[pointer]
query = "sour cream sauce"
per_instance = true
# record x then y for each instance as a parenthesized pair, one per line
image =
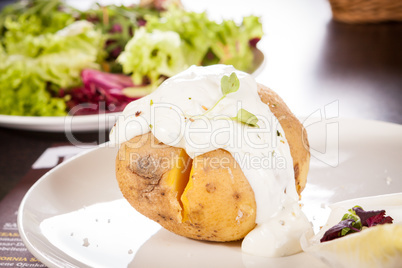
(174, 115)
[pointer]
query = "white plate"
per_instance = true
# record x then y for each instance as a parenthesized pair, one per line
(97, 122)
(75, 215)
(60, 123)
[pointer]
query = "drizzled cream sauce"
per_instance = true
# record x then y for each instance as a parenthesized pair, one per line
(174, 114)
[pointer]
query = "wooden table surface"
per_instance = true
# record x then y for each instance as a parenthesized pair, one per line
(312, 61)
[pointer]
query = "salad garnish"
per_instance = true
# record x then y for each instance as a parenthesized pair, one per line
(354, 221)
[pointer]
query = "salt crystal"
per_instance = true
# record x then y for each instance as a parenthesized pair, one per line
(86, 243)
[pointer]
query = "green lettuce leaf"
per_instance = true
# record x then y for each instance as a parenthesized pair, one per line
(67, 52)
(150, 55)
(206, 41)
(23, 92)
(47, 63)
(231, 45)
(195, 30)
(26, 19)
(177, 39)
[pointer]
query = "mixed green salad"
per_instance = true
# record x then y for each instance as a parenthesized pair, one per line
(54, 57)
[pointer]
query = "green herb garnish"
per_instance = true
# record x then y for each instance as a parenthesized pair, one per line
(243, 116)
(231, 84)
(228, 85)
(353, 216)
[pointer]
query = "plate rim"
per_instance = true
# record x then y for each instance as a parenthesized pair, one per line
(23, 235)
(58, 123)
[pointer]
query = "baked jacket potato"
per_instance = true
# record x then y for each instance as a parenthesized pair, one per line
(196, 198)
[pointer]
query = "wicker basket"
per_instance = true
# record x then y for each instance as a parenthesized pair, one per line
(366, 11)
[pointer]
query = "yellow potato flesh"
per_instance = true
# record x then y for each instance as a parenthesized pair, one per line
(184, 199)
(178, 176)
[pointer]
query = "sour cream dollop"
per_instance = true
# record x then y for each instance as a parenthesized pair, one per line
(174, 113)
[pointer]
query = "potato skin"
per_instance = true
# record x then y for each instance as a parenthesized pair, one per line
(218, 199)
(295, 133)
(219, 203)
(142, 178)
(213, 202)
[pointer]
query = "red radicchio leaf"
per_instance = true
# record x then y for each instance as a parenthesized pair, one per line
(372, 218)
(142, 22)
(336, 230)
(253, 42)
(378, 219)
(116, 28)
(102, 89)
